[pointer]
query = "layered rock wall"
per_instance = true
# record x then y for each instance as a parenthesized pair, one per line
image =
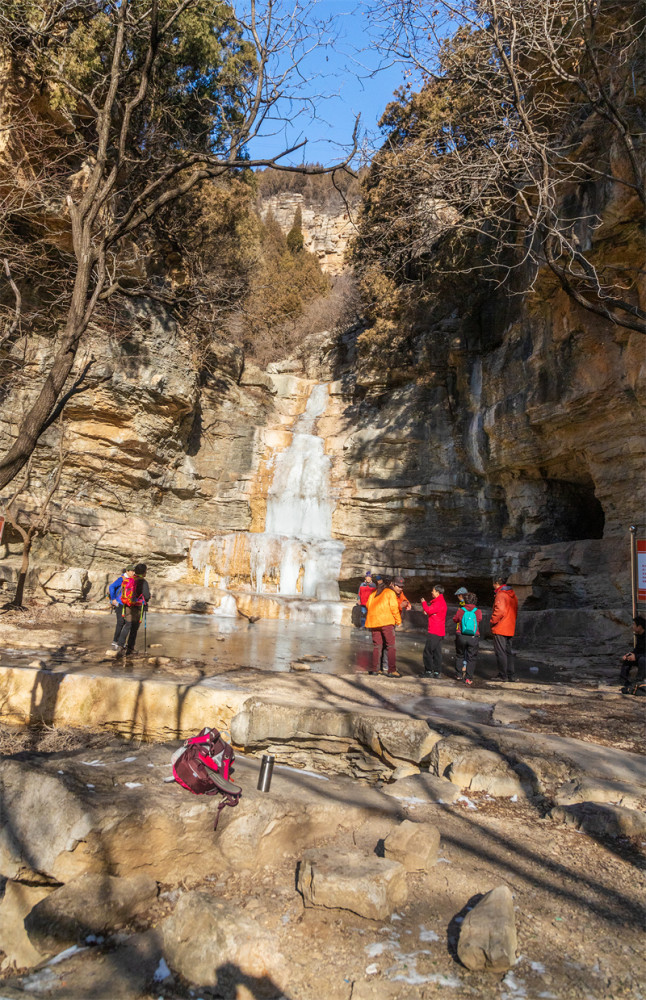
(511, 443)
(327, 230)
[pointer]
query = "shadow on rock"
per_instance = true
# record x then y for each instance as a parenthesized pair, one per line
(453, 930)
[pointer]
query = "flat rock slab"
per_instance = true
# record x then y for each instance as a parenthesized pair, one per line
(365, 884)
(602, 819)
(599, 790)
(505, 714)
(214, 944)
(91, 904)
(488, 933)
(423, 787)
(111, 812)
(414, 845)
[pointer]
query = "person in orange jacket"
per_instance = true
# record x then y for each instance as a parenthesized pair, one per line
(382, 617)
(503, 627)
(397, 586)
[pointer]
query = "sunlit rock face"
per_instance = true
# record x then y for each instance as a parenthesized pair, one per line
(327, 230)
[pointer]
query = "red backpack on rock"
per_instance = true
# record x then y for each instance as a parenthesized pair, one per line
(203, 766)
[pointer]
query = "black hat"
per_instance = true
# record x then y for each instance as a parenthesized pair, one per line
(399, 581)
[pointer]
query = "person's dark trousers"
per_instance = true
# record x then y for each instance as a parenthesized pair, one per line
(459, 666)
(466, 649)
(504, 655)
(433, 654)
(628, 665)
(384, 636)
(129, 629)
(117, 629)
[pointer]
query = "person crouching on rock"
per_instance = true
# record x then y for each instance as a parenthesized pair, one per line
(135, 595)
(636, 658)
(114, 593)
(436, 612)
(467, 639)
(382, 617)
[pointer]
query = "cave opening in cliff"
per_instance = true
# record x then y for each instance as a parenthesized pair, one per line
(558, 510)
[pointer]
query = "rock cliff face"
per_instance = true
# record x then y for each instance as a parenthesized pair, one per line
(522, 451)
(326, 230)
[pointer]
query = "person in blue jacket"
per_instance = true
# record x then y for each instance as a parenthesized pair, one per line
(114, 593)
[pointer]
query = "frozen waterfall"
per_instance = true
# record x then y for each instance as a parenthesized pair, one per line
(295, 556)
(298, 526)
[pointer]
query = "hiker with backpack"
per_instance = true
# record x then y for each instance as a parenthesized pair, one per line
(467, 639)
(382, 618)
(135, 598)
(114, 595)
(461, 594)
(436, 612)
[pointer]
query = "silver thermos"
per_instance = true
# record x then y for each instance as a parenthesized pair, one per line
(266, 771)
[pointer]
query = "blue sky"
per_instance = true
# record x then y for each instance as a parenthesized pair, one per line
(354, 78)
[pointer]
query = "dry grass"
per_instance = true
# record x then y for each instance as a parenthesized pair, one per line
(47, 739)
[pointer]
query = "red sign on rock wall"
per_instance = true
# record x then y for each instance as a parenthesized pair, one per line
(641, 570)
(1, 526)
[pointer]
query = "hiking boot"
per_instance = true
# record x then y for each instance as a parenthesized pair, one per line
(626, 690)
(501, 677)
(436, 673)
(511, 678)
(468, 682)
(393, 673)
(373, 673)
(115, 645)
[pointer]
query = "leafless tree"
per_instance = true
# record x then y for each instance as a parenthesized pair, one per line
(30, 511)
(108, 118)
(523, 148)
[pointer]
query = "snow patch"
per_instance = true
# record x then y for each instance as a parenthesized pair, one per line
(161, 972)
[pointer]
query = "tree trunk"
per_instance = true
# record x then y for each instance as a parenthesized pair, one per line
(35, 422)
(22, 576)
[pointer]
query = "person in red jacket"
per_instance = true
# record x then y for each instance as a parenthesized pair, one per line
(467, 640)
(436, 612)
(503, 627)
(365, 590)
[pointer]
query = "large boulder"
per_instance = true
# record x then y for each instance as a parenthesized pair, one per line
(91, 904)
(213, 944)
(414, 845)
(33, 837)
(17, 901)
(481, 770)
(488, 933)
(365, 884)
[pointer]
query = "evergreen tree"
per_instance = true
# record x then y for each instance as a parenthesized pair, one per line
(295, 238)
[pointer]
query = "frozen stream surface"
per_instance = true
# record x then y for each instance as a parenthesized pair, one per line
(272, 644)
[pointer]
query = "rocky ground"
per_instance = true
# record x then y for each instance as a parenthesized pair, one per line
(115, 884)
